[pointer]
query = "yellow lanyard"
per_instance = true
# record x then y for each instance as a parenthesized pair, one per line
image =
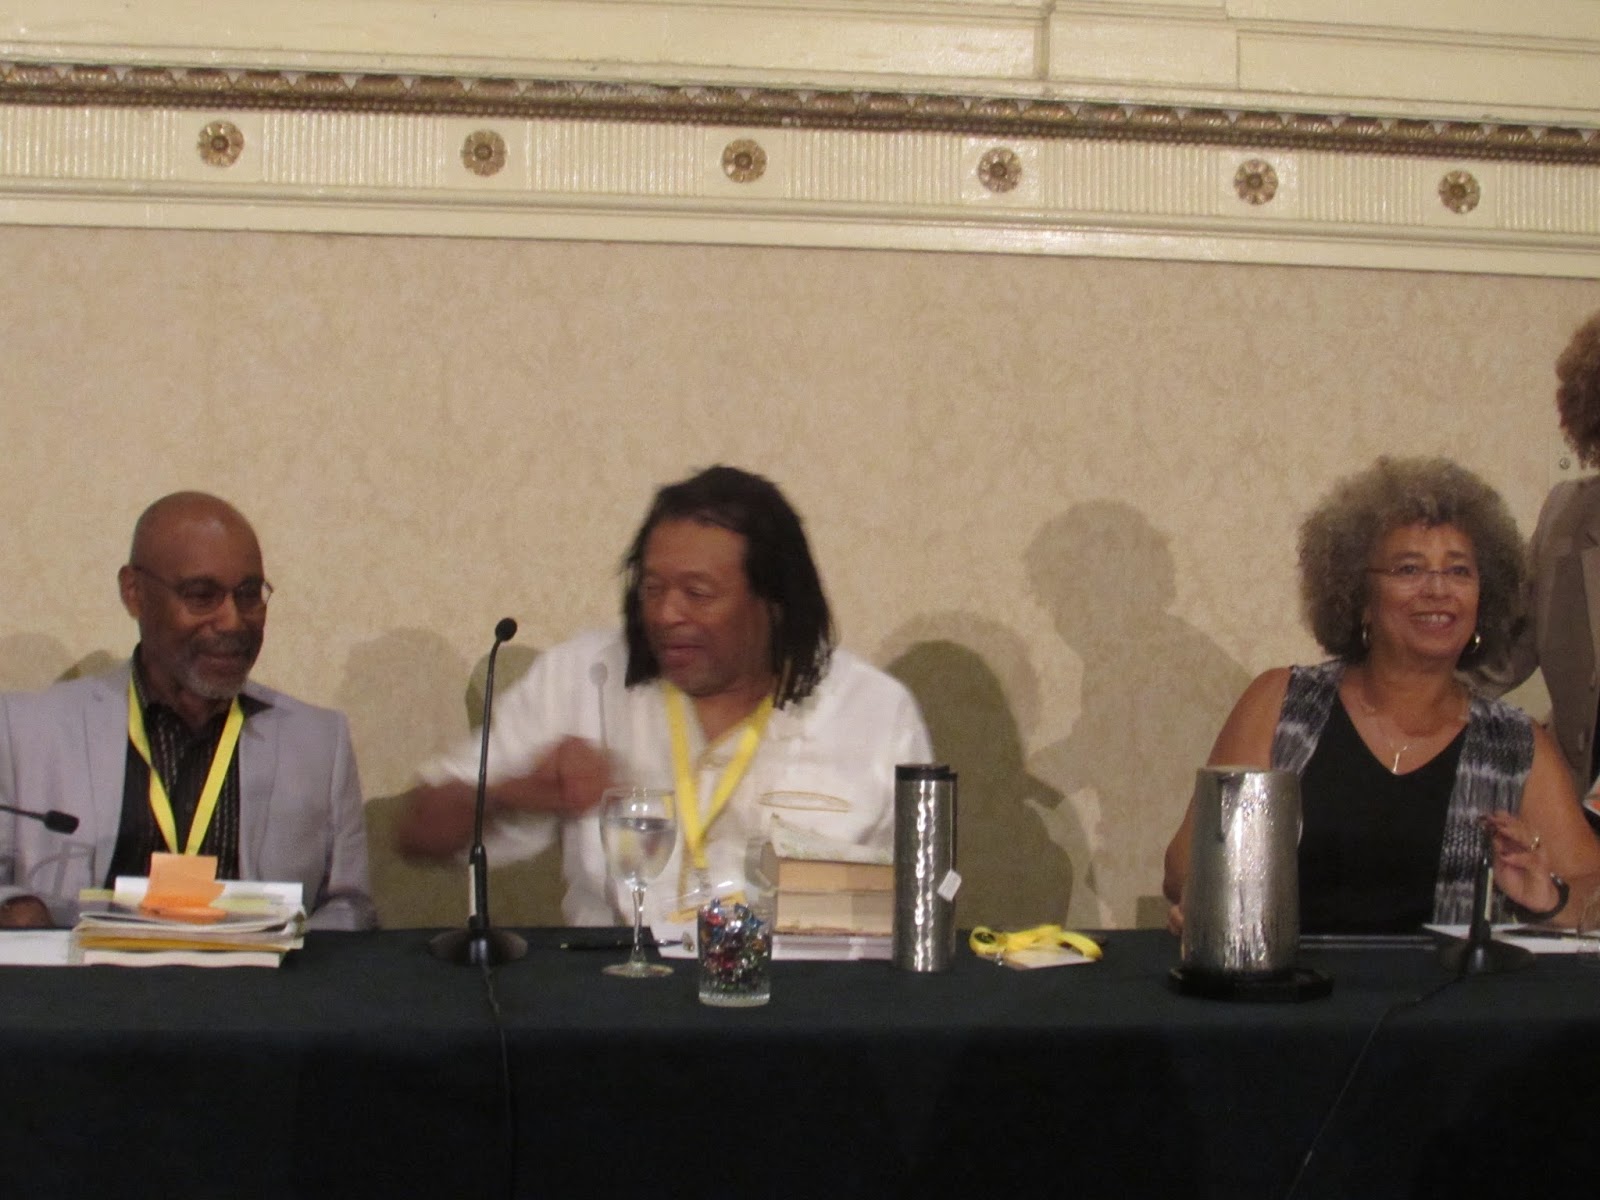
(991, 943)
(688, 791)
(160, 804)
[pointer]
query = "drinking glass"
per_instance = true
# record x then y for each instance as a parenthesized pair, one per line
(638, 827)
(734, 944)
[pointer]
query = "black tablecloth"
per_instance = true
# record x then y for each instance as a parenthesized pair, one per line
(365, 1067)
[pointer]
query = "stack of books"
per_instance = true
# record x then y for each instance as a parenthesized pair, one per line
(257, 925)
(826, 887)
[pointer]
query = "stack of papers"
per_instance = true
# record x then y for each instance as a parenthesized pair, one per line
(249, 925)
(827, 947)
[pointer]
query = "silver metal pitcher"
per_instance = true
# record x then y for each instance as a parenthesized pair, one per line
(1241, 905)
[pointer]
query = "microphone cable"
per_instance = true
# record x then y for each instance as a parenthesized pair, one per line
(1326, 1123)
(508, 1101)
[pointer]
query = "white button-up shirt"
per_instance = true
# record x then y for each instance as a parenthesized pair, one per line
(826, 764)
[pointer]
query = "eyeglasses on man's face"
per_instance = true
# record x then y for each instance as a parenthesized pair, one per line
(204, 596)
(1410, 577)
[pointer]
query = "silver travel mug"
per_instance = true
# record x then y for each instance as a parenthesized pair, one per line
(924, 854)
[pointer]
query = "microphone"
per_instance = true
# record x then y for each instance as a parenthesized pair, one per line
(55, 820)
(598, 674)
(479, 944)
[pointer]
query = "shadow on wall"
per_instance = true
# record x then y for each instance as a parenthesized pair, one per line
(31, 661)
(400, 693)
(972, 679)
(1155, 691)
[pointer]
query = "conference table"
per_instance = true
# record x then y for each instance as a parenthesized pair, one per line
(363, 1066)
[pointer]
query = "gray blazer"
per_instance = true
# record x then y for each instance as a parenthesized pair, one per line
(300, 811)
(1562, 637)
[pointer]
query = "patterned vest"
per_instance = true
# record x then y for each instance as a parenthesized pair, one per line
(1495, 760)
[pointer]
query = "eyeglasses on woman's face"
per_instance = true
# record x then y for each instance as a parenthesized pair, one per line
(1411, 576)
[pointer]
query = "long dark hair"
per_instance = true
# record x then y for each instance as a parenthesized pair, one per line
(777, 565)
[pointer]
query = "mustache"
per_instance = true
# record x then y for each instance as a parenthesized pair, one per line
(242, 642)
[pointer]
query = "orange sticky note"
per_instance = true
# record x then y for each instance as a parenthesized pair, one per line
(182, 887)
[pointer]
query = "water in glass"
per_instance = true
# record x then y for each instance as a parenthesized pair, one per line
(638, 827)
(636, 847)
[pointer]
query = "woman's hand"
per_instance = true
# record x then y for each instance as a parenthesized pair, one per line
(1522, 867)
(1548, 834)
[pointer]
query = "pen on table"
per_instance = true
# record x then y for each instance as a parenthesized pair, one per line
(605, 943)
(1531, 931)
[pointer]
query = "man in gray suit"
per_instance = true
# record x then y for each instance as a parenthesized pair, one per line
(176, 750)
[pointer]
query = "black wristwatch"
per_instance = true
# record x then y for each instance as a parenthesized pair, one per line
(1563, 893)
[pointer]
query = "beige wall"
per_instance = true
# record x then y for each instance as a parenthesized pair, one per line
(1059, 495)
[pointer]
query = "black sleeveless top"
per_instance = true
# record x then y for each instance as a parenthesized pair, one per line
(1370, 840)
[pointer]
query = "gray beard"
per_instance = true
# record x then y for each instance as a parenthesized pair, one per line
(195, 683)
(212, 689)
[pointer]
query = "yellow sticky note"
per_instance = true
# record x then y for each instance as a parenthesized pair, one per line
(182, 887)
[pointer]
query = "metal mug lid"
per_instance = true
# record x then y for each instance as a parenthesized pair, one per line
(922, 771)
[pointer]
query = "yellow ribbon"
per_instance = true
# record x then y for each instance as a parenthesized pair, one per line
(688, 792)
(990, 943)
(160, 803)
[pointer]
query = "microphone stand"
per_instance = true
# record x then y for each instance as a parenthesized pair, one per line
(479, 944)
(1479, 953)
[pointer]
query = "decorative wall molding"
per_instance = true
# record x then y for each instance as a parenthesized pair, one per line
(1016, 126)
(1531, 62)
(545, 99)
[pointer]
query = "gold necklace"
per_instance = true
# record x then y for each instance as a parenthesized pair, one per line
(1394, 767)
(1378, 719)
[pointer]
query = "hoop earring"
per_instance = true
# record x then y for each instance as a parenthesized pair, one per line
(1366, 636)
(1476, 643)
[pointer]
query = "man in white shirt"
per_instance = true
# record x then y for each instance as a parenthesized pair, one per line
(725, 621)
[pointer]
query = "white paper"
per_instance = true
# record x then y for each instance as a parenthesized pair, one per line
(676, 940)
(1035, 957)
(237, 894)
(1555, 941)
(36, 948)
(830, 947)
